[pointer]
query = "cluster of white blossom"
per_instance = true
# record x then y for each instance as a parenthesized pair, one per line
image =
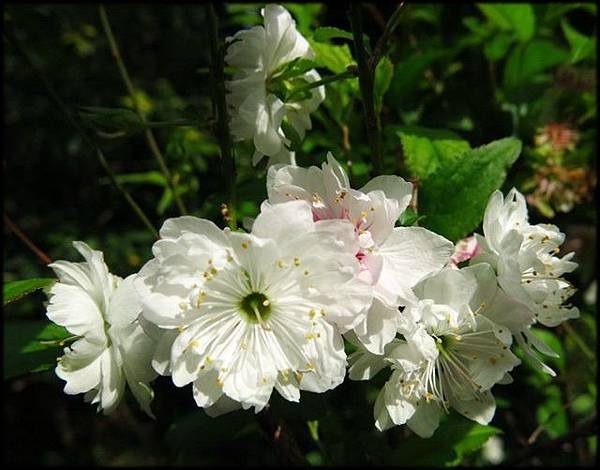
(257, 112)
(239, 314)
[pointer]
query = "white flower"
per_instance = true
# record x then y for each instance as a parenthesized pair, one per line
(527, 268)
(256, 111)
(392, 259)
(451, 356)
(102, 310)
(246, 313)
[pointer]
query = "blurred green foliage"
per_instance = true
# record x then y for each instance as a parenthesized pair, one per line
(457, 77)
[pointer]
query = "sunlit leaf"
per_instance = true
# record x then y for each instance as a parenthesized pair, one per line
(14, 290)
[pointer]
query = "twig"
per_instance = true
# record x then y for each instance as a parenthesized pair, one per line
(365, 80)
(585, 429)
(220, 106)
(11, 37)
(43, 257)
(385, 36)
(376, 15)
(579, 342)
(154, 148)
(278, 433)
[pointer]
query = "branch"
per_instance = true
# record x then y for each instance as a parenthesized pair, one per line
(587, 428)
(43, 257)
(385, 36)
(154, 148)
(11, 38)
(220, 107)
(366, 79)
(279, 434)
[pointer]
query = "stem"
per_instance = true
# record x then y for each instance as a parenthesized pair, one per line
(579, 341)
(43, 257)
(126, 195)
(366, 79)
(285, 444)
(222, 118)
(587, 428)
(324, 81)
(385, 36)
(11, 37)
(151, 141)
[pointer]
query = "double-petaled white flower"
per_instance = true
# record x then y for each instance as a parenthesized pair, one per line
(246, 313)
(527, 267)
(451, 356)
(392, 259)
(256, 111)
(112, 348)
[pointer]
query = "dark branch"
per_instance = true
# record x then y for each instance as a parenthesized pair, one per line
(587, 428)
(277, 431)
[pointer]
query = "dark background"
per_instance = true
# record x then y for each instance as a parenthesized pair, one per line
(56, 191)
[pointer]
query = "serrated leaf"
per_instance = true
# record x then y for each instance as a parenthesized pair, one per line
(425, 150)
(14, 290)
(326, 33)
(453, 199)
(452, 441)
(383, 77)
(334, 58)
(31, 346)
(520, 18)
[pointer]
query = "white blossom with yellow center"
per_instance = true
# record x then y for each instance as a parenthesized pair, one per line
(450, 357)
(246, 313)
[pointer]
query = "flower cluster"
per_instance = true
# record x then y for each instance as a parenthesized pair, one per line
(256, 93)
(240, 314)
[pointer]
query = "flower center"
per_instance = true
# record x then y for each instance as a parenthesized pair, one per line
(255, 307)
(445, 343)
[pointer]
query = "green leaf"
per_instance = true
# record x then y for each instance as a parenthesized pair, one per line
(110, 122)
(334, 58)
(496, 48)
(582, 46)
(425, 150)
(294, 68)
(31, 346)
(526, 61)
(14, 290)
(453, 440)
(291, 134)
(383, 77)
(326, 33)
(518, 18)
(454, 197)
(409, 217)
(148, 177)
